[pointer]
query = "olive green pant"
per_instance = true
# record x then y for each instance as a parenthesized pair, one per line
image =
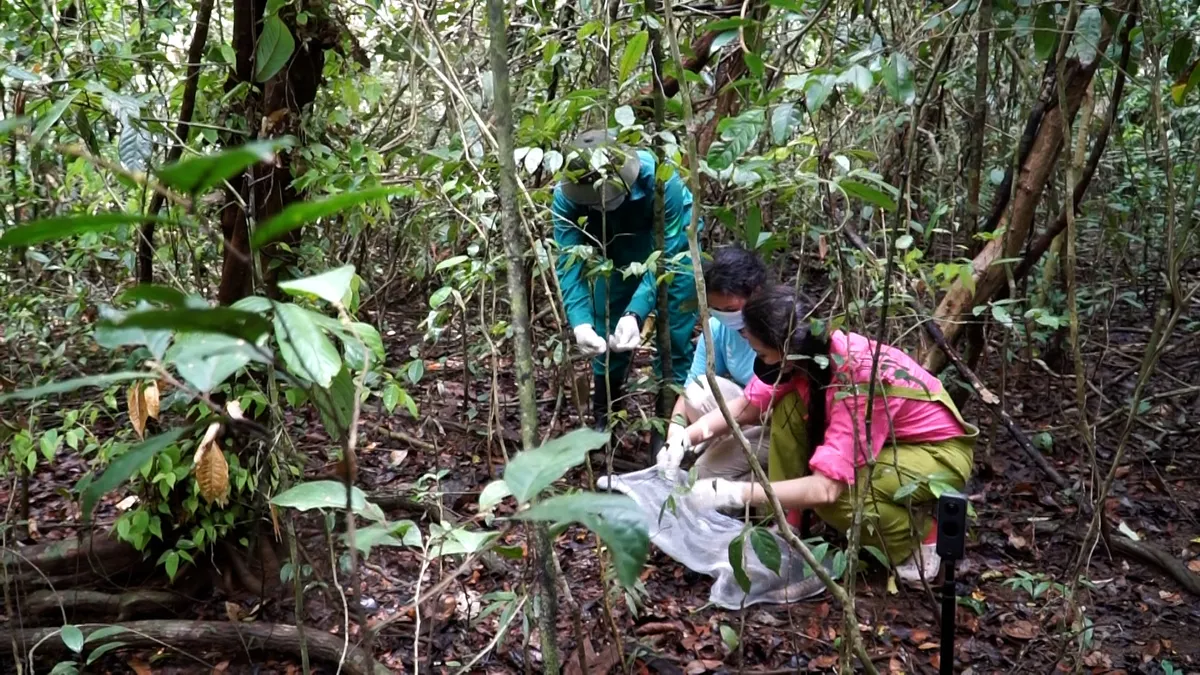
(915, 471)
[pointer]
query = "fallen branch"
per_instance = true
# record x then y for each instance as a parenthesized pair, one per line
(123, 606)
(196, 637)
(406, 438)
(1153, 555)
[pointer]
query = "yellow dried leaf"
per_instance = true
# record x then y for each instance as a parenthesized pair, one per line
(150, 400)
(212, 474)
(137, 410)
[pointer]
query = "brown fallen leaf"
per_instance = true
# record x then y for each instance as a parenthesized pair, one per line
(137, 410)
(1097, 659)
(598, 664)
(1020, 630)
(212, 473)
(658, 628)
(1151, 651)
(895, 667)
(1194, 565)
(926, 646)
(234, 611)
(138, 666)
(701, 666)
(823, 662)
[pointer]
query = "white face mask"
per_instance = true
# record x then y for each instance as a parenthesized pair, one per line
(731, 320)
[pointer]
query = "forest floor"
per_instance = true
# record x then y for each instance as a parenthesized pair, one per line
(1021, 543)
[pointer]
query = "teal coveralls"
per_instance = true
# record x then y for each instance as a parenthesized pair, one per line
(630, 238)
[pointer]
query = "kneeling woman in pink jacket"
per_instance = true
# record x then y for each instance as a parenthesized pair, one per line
(819, 445)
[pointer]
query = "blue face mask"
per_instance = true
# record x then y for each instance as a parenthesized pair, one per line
(731, 320)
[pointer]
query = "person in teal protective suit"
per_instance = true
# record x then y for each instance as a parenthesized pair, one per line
(606, 201)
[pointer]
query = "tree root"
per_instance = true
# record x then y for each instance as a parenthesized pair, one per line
(1150, 554)
(197, 637)
(73, 562)
(124, 606)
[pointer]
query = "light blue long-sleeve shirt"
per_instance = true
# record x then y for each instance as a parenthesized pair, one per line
(733, 357)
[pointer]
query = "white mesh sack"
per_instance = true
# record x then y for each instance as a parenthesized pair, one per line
(700, 540)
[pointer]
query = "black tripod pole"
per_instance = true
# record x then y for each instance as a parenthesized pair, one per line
(951, 546)
(949, 605)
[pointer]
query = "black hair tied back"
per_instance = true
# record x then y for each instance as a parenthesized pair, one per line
(780, 317)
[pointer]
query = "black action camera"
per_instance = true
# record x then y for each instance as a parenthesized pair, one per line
(952, 525)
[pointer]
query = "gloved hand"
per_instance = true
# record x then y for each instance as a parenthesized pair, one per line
(675, 429)
(626, 336)
(589, 342)
(712, 494)
(671, 456)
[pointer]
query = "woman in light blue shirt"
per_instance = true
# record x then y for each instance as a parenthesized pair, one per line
(733, 275)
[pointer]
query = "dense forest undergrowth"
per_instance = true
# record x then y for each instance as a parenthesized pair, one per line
(290, 386)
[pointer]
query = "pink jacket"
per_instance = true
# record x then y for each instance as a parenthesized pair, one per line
(909, 420)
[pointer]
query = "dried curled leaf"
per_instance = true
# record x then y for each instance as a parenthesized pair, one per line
(137, 410)
(143, 404)
(212, 473)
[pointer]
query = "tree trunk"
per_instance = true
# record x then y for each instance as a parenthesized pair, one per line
(514, 246)
(955, 308)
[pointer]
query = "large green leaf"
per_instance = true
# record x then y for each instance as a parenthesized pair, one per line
(60, 227)
(205, 360)
(331, 286)
(402, 533)
(305, 349)
(737, 135)
(222, 320)
(532, 471)
(1181, 55)
(335, 403)
(766, 547)
(617, 519)
(635, 49)
(1086, 41)
(1045, 31)
(357, 336)
(51, 118)
(444, 540)
(328, 494)
(126, 465)
(299, 213)
(275, 47)
(869, 194)
(156, 294)
(72, 637)
(898, 80)
(783, 119)
(197, 174)
(62, 386)
(112, 338)
(737, 561)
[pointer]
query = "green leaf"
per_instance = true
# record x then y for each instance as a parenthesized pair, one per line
(205, 360)
(493, 494)
(906, 490)
(64, 668)
(51, 118)
(63, 386)
(275, 47)
(616, 519)
(126, 465)
(783, 119)
(72, 637)
(632, 56)
(816, 92)
(457, 540)
(133, 144)
(737, 557)
(860, 77)
(1181, 55)
(766, 547)
(897, 79)
(532, 471)
(1045, 32)
(722, 39)
(197, 174)
(171, 563)
(255, 304)
(904, 242)
(868, 194)
(222, 320)
(336, 404)
(328, 494)
(102, 650)
(305, 349)
(878, 555)
(331, 286)
(299, 213)
(730, 637)
(754, 64)
(105, 632)
(154, 293)
(61, 227)
(398, 534)
(1086, 40)
(1180, 91)
(355, 337)
(737, 136)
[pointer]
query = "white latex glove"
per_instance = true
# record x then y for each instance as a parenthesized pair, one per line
(589, 342)
(671, 456)
(710, 494)
(674, 430)
(626, 336)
